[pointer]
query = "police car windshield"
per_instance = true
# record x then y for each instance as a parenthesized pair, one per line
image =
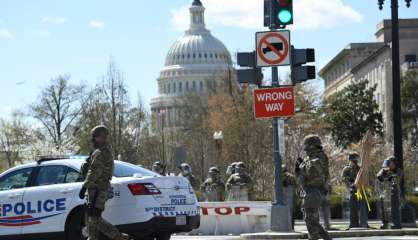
(128, 170)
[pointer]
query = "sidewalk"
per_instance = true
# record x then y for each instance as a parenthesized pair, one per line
(339, 232)
(333, 234)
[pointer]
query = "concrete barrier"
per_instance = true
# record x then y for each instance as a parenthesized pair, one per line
(223, 218)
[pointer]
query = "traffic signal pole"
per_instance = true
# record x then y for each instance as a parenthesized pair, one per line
(396, 88)
(280, 211)
(278, 188)
(406, 215)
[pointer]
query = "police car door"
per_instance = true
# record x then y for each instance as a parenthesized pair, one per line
(12, 216)
(50, 199)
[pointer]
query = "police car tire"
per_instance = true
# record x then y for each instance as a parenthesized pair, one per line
(163, 236)
(74, 226)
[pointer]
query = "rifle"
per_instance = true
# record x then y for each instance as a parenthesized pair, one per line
(382, 208)
(91, 206)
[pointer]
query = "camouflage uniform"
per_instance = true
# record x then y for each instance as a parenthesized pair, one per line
(313, 174)
(213, 187)
(98, 171)
(349, 175)
(240, 185)
(289, 183)
(186, 171)
(325, 210)
(390, 193)
(231, 169)
(159, 168)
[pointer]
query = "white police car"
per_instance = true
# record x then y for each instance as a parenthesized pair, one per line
(40, 200)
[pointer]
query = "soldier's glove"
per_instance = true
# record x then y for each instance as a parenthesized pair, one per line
(297, 165)
(390, 178)
(82, 193)
(286, 183)
(297, 169)
(93, 211)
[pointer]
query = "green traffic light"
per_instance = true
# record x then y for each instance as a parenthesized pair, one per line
(285, 16)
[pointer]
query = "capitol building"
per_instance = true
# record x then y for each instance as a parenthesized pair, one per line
(193, 61)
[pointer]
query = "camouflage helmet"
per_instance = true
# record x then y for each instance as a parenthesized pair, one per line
(214, 170)
(387, 161)
(100, 130)
(231, 168)
(240, 168)
(240, 165)
(186, 166)
(157, 164)
(312, 141)
(284, 168)
(353, 157)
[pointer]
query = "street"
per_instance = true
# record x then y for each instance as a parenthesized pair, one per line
(234, 237)
(209, 120)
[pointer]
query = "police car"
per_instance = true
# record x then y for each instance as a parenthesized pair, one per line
(41, 200)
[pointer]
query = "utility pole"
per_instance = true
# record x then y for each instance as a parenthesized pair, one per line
(273, 49)
(280, 212)
(396, 90)
(396, 94)
(396, 80)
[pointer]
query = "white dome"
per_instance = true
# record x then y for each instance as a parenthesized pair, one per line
(198, 47)
(195, 62)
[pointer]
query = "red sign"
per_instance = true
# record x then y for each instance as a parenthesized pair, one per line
(274, 102)
(225, 210)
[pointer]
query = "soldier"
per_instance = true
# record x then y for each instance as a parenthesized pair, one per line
(186, 171)
(159, 168)
(231, 169)
(214, 187)
(313, 174)
(289, 183)
(98, 171)
(349, 175)
(390, 177)
(325, 209)
(240, 184)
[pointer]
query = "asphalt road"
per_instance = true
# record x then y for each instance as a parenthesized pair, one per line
(237, 238)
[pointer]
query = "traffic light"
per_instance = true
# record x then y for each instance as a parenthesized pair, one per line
(283, 12)
(267, 12)
(300, 57)
(250, 74)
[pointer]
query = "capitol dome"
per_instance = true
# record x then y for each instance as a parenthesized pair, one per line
(193, 60)
(199, 48)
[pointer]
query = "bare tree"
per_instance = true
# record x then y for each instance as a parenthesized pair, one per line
(15, 137)
(108, 103)
(58, 107)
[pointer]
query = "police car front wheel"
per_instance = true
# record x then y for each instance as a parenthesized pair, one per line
(75, 225)
(163, 236)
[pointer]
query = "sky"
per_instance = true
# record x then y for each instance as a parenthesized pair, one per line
(41, 39)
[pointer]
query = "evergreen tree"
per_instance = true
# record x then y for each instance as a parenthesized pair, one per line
(351, 112)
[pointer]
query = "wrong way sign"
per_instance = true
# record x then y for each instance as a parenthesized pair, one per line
(273, 48)
(274, 102)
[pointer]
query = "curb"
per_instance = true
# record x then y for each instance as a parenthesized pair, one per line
(334, 234)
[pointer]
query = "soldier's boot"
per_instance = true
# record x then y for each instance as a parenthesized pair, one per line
(325, 235)
(385, 225)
